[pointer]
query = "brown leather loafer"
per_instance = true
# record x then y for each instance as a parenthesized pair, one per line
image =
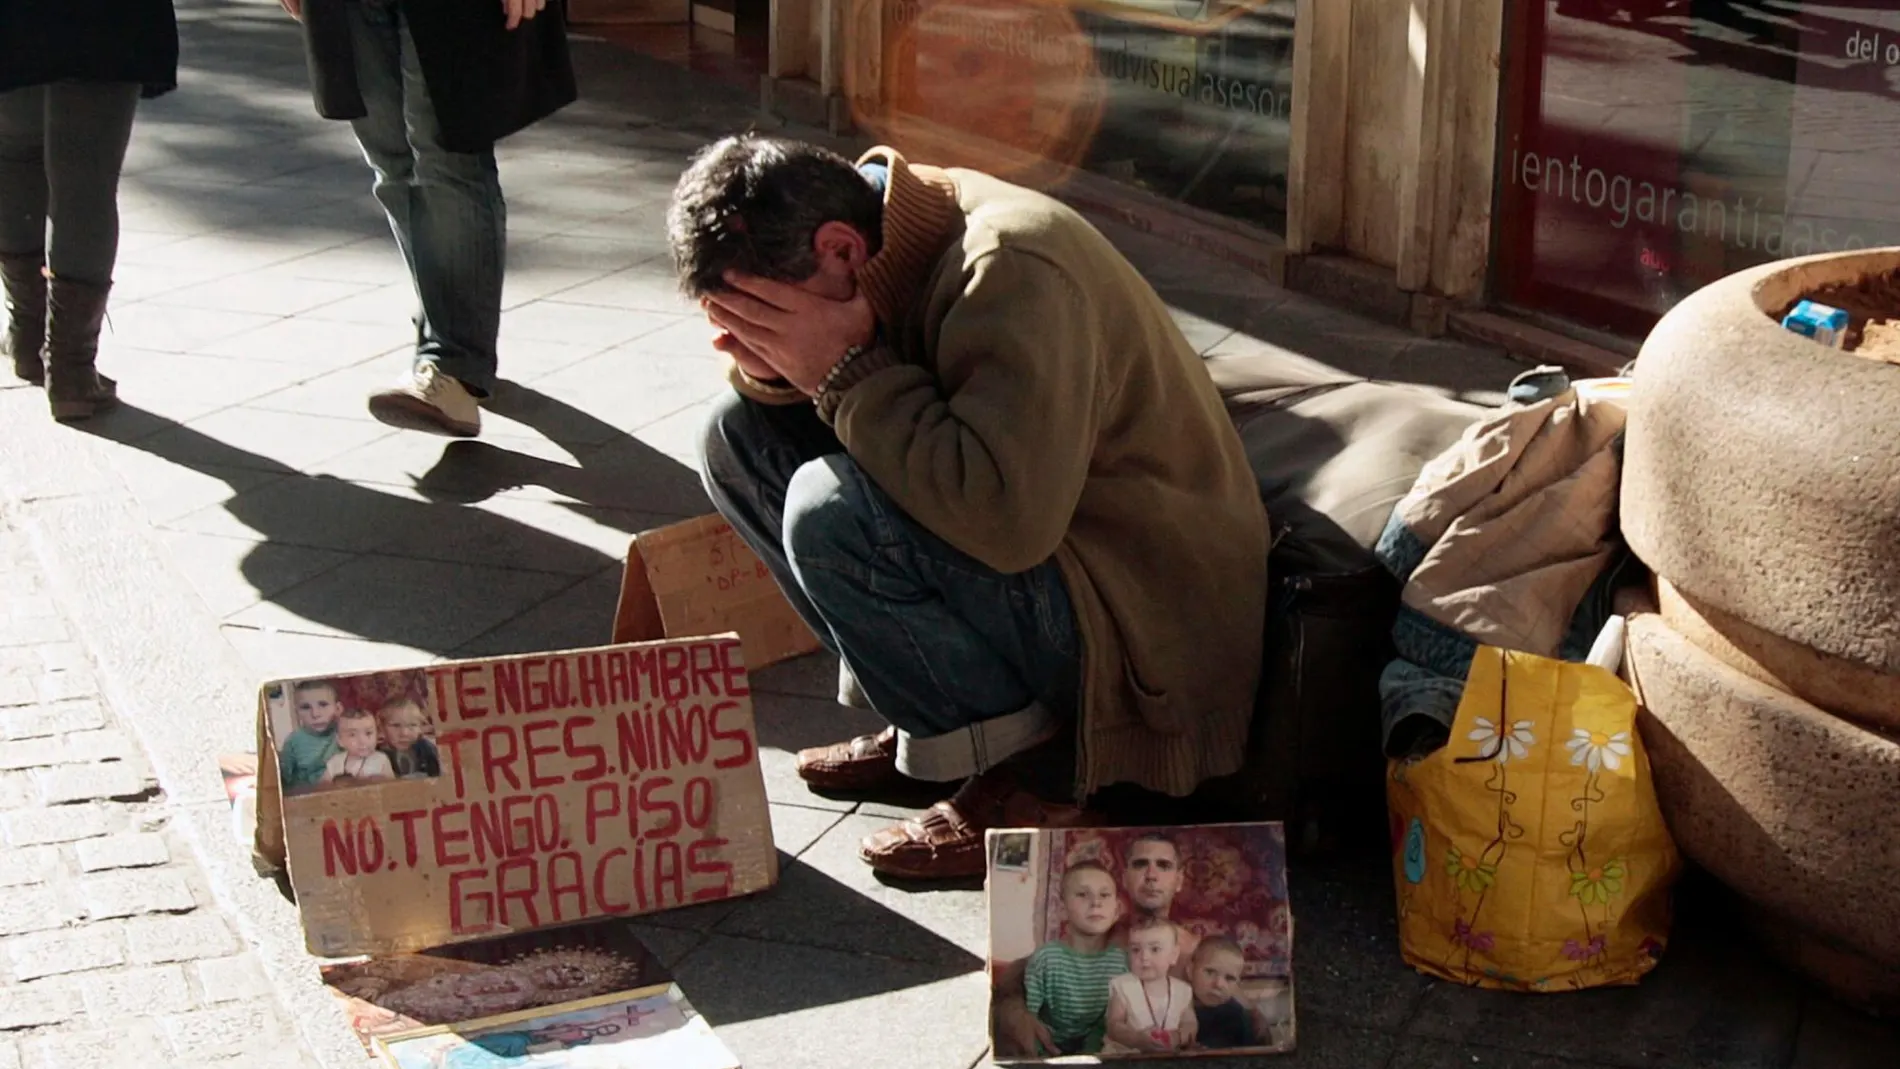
(945, 842)
(866, 763)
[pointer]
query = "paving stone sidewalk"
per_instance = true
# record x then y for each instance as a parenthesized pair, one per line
(113, 949)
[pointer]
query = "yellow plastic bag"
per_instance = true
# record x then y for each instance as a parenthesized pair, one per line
(1530, 853)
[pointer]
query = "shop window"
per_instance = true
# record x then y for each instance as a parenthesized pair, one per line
(1653, 146)
(1189, 100)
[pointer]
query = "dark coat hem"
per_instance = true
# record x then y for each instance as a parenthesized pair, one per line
(486, 82)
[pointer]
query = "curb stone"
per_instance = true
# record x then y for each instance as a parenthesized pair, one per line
(162, 662)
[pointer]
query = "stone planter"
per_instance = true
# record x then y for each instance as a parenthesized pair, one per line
(1762, 485)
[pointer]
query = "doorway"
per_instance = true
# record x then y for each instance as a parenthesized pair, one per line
(728, 40)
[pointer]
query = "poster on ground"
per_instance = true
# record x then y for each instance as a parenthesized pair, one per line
(399, 995)
(655, 1029)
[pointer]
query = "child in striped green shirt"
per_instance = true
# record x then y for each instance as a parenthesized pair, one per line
(1066, 981)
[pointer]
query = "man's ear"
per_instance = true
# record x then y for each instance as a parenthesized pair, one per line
(839, 246)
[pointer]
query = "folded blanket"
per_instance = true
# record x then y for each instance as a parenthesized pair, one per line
(1509, 539)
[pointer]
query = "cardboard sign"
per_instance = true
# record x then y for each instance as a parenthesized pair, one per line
(477, 798)
(700, 578)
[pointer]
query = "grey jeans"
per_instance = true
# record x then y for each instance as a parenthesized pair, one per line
(446, 208)
(971, 665)
(61, 149)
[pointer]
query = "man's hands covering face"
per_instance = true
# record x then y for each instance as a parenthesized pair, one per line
(778, 331)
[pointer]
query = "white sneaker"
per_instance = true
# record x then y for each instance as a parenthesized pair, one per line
(427, 400)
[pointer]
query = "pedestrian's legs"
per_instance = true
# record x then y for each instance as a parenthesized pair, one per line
(381, 132)
(446, 207)
(88, 125)
(23, 171)
(23, 227)
(970, 664)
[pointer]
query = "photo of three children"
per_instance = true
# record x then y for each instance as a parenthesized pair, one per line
(1163, 941)
(351, 731)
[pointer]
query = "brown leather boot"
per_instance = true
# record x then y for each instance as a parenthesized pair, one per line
(945, 842)
(25, 284)
(866, 763)
(74, 312)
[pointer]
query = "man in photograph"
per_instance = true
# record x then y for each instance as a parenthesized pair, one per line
(1151, 877)
(986, 467)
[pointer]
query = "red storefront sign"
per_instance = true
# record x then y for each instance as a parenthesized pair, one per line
(1653, 146)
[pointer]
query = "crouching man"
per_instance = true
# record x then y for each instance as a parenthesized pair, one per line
(989, 471)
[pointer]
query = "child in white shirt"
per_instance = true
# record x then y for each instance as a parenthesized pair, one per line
(358, 759)
(1150, 1010)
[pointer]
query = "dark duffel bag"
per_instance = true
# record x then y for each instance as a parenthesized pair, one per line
(1333, 455)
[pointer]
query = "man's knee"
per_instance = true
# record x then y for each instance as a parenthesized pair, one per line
(828, 517)
(725, 446)
(385, 145)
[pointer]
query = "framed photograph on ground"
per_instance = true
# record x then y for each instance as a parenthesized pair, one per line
(1142, 942)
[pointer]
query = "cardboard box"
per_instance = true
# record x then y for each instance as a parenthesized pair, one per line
(700, 578)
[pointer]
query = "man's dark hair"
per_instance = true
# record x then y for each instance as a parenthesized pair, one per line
(753, 204)
(1156, 837)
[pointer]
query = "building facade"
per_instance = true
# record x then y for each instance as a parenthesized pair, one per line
(1524, 170)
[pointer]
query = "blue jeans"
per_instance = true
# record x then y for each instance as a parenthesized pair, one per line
(445, 207)
(969, 664)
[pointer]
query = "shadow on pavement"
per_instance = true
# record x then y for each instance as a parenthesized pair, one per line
(406, 601)
(621, 473)
(423, 565)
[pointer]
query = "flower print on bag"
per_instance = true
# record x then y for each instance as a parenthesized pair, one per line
(1598, 751)
(1499, 745)
(1597, 886)
(1470, 872)
(1461, 934)
(1576, 951)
